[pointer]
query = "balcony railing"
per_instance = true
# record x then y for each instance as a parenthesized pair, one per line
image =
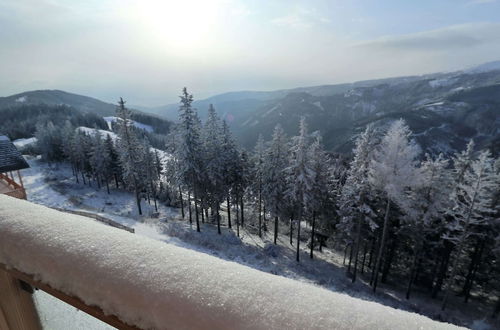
(131, 281)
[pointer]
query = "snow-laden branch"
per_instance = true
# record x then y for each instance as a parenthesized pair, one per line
(152, 284)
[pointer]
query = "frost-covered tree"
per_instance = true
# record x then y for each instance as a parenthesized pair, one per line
(472, 208)
(213, 162)
(321, 188)
(356, 211)
(100, 159)
(189, 151)
(114, 169)
(258, 176)
(274, 175)
(130, 152)
(428, 203)
(300, 177)
(68, 146)
(229, 158)
(393, 171)
(49, 141)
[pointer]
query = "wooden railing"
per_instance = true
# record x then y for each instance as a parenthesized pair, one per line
(17, 191)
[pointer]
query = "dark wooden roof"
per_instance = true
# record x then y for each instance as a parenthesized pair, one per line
(10, 158)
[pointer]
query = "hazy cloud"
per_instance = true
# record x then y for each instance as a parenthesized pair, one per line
(301, 18)
(453, 37)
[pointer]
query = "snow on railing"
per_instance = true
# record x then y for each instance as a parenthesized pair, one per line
(151, 284)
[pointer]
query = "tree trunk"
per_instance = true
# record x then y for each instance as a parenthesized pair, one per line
(445, 260)
(372, 251)
(242, 214)
(460, 244)
(298, 238)
(382, 244)
(390, 258)
(413, 272)
(350, 258)
(472, 274)
(218, 220)
(228, 212)
(312, 234)
(237, 219)
(116, 180)
(260, 213)
(264, 223)
(275, 230)
(98, 181)
(356, 253)
(189, 207)
(496, 311)
(196, 212)
(182, 202)
(83, 178)
(345, 253)
(365, 251)
(107, 186)
(291, 231)
(138, 199)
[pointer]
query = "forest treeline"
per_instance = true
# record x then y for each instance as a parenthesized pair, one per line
(397, 213)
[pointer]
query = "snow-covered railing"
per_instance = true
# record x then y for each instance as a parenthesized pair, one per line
(151, 284)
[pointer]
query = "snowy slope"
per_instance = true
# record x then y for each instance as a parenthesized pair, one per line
(112, 119)
(172, 287)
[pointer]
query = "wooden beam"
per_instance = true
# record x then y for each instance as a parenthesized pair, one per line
(17, 310)
(95, 311)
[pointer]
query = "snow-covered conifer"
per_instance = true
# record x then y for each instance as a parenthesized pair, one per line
(393, 172)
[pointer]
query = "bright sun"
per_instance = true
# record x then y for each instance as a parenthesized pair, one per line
(182, 24)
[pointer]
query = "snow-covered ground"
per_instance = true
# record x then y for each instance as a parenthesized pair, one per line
(21, 143)
(112, 119)
(55, 186)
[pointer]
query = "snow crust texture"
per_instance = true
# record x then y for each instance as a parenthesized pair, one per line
(152, 284)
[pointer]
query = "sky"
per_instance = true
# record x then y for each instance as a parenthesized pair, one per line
(147, 50)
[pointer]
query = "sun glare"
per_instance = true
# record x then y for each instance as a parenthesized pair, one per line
(185, 25)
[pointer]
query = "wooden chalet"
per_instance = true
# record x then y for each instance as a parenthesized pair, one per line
(11, 161)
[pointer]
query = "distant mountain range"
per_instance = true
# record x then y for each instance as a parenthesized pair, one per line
(444, 110)
(57, 97)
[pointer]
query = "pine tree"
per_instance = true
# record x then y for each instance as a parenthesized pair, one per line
(472, 207)
(100, 159)
(189, 151)
(320, 189)
(274, 175)
(229, 158)
(393, 172)
(428, 203)
(258, 176)
(130, 152)
(354, 203)
(214, 163)
(300, 177)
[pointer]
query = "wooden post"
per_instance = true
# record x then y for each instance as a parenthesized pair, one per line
(22, 185)
(17, 310)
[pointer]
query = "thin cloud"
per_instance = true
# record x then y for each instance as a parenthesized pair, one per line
(480, 2)
(452, 37)
(301, 18)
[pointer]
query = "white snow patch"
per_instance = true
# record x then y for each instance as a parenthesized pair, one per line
(443, 82)
(92, 131)
(169, 286)
(21, 143)
(22, 99)
(318, 104)
(271, 110)
(112, 119)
